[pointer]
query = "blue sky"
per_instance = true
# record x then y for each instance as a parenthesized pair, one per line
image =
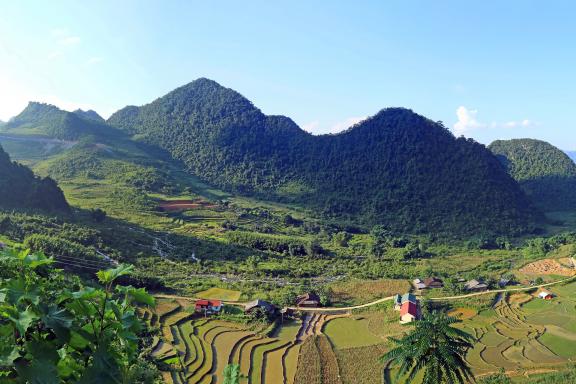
(487, 69)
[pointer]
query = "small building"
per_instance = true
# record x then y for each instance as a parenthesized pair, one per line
(266, 307)
(476, 285)
(309, 300)
(433, 282)
(503, 282)
(409, 312)
(545, 295)
(400, 300)
(419, 284)
(208, 306)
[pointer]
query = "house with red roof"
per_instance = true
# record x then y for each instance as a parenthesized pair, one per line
(409, 312)
(208, 306)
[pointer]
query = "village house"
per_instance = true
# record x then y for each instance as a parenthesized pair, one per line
(545, 295)
(208, 307)
(428, 283)
(269, 309)
(409, 312)
(309, 300)
(475, 285)
(399, 300)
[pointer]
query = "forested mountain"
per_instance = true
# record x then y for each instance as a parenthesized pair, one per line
(20, 188)
(89, 115)
(546, 173)
(48, 120)
(396, 168)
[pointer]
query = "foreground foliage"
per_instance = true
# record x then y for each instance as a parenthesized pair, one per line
(53, 329)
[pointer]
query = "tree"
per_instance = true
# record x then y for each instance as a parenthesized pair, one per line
(98, 215)
(435, 347)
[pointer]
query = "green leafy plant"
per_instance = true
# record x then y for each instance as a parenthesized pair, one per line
(53, 329)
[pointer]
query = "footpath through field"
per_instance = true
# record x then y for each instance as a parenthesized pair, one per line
(389, 298)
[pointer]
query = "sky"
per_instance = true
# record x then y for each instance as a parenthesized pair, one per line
(487, 69)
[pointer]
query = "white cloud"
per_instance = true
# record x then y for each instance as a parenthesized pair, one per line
(468, 122)
(94, 60)
(345, 124)
(311, 127)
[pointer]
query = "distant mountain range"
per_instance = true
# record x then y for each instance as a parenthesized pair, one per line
(546, 173)
(396, 168)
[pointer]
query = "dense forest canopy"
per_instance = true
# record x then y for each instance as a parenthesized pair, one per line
(396, 168)
(20, 188)
(546, 173)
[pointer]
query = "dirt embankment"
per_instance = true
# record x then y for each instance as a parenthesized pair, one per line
(547, 267)
(183, 205)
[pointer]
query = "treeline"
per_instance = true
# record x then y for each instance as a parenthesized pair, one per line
(288, 245)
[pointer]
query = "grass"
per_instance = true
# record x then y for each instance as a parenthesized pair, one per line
(220, 294)
(356, 291)
(559, 345)
(350, 332)
(361, 365)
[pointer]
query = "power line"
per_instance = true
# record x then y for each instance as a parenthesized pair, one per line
(85, 261)
(77, 265)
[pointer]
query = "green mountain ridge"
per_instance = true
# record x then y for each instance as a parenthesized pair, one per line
(49, 121)
(20, 188)
(547, 174)
(396, 168)
(89, 115)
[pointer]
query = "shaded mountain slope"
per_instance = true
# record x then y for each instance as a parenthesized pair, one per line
(546, 173)
(20, 188)
(396, 168)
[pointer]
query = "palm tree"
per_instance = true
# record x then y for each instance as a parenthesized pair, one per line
(435, 347)
(232, 374)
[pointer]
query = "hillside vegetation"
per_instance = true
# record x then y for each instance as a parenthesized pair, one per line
(20, 188)
(50, 121)
(396, 168)
(546, 173)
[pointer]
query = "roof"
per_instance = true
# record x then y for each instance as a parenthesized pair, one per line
(544, 294)
(259, 303)
(408, 297)
(212, 303)
(309, 296)
(430, 280)
(397, 298)
(409, 308)
(474, 284)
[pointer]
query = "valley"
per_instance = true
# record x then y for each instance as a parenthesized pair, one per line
(132, 202)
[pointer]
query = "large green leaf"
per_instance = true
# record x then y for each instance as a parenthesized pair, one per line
(17, 291)
(139, 295)
(110, 275)
(103, 369)
(39, 371)
(57, 319)
(41, 349)
(21, 319)
(34, 260)
(8, 348)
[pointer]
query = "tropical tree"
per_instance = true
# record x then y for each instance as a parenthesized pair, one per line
(433, 347)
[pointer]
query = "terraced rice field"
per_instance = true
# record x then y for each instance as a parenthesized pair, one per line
(196, 349)
(525, 333)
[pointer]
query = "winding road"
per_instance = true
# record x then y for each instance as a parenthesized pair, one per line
(389, 298)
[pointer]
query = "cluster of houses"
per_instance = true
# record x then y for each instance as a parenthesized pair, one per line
(211, 307)
(409, 307)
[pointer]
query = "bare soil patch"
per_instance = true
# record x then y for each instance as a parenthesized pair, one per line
(183, 205)
(547, 267)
